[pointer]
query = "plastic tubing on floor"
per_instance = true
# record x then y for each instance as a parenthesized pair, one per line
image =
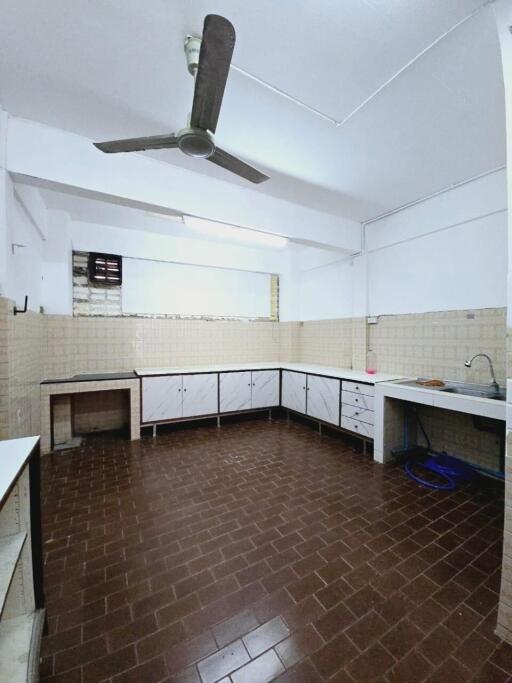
(448, 485)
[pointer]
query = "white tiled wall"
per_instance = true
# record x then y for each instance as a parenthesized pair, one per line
(34, 346)
(437, 344)
(111, 344)
(21, 352)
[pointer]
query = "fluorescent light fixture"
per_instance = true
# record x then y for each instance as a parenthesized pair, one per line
(174, 217)
(234, 233)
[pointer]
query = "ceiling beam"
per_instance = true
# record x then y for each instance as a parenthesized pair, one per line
(54, 155)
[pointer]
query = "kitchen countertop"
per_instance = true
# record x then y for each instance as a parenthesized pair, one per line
(433, 396)
(314, 369)
(14, 455)
(92, 377)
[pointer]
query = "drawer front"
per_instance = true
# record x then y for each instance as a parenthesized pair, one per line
(358, 388)
(357, 426)
(360, 400)
(357, 413)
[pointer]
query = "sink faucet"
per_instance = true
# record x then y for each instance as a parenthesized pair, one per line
(494, 384)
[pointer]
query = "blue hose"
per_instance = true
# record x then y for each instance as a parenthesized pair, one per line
(449, 469)
(448, 485)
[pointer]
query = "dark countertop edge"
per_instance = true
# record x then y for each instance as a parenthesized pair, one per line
(98, 377)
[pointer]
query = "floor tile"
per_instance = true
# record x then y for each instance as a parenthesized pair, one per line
(263, 669)
(236, 555)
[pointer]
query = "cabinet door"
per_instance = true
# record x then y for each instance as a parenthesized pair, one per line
(265, 388)
(161, 398)
(323, 398)
(235, 391)
(293, 391)
(200, 394)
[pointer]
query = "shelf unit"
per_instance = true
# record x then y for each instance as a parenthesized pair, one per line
(22, 615)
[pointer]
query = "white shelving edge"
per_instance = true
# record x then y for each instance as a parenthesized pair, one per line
(20, 638)
(14, 454)
(10, 551)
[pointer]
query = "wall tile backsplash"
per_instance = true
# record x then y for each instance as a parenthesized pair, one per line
(328, 342)
(112, 344)
(21, 358)
(437, 344)
(34, 346)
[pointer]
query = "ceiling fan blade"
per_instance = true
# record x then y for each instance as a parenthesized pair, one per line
(138, 144)
(212, 73)
(231, 163)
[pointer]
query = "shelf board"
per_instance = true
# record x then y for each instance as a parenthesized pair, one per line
(10, 551)
(20, 638)
(14, 455)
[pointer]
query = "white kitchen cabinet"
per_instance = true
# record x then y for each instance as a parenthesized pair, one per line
(323, 398)
(358, 427)
(161, 398)
(293, 391)
(354, 399)
(235, 391)
(265, 388)
(357, 413)
(359, 388)
(200, 394)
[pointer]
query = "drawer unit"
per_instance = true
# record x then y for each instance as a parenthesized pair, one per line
(359, 388)
(357, 413)
(359, 400)
(356, 426)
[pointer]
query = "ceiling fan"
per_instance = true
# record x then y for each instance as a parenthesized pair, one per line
(208, 61)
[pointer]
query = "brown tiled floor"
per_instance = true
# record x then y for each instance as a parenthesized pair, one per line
(262, 552)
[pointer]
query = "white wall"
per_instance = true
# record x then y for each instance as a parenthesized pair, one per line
(316, 285)
(159, 287)
(23, 264)
(446, 253)
(503, 12)
(57, 266)
(66, 236)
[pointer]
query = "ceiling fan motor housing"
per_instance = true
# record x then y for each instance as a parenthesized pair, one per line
(196, 142)
(192, 48)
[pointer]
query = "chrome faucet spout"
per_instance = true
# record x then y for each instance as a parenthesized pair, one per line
(494, 384)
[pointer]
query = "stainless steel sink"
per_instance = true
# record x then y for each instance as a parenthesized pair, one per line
(461, 388)
(472, 391)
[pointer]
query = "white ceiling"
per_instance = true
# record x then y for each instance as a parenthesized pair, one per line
(116, 68)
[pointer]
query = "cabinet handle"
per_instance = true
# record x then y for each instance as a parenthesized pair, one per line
(356, 413)
(303, 388)
(356, 400)
(179, 389)
(249, 384)
(184, 389)
(253, 384)
(356, 426)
